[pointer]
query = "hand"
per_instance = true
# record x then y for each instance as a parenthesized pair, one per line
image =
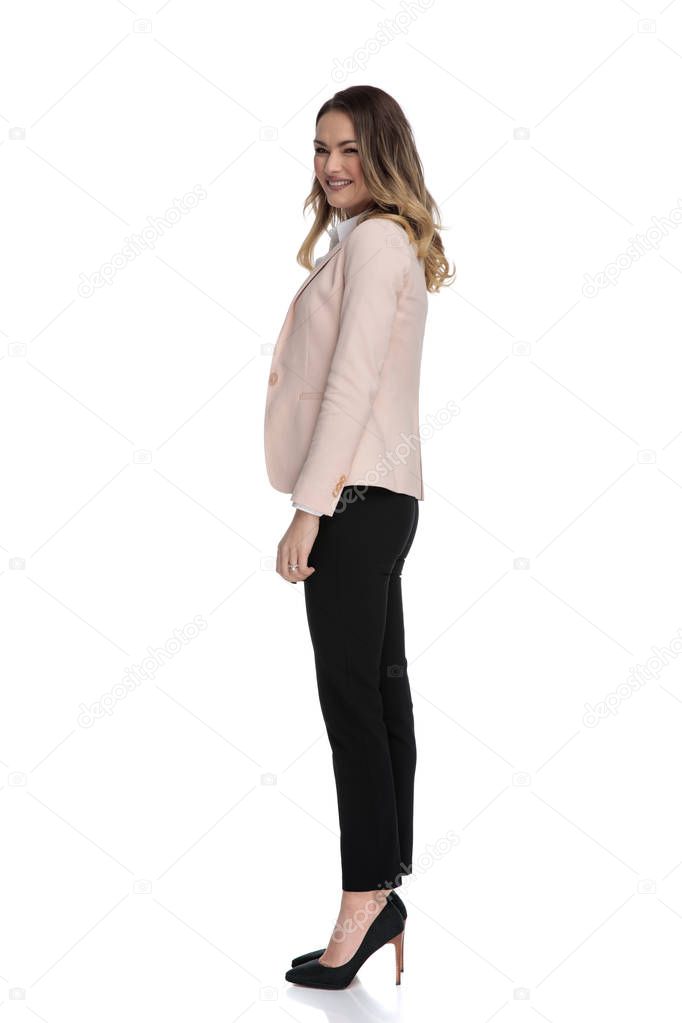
(295, 546)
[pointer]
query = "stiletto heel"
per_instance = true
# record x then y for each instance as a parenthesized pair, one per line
(402, 948)
(398, 942)
(387, 925)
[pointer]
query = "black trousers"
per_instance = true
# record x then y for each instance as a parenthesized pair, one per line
(355, 615)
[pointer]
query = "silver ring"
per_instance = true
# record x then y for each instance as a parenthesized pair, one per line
(292, 568)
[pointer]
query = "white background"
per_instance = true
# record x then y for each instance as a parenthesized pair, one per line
(166, 861)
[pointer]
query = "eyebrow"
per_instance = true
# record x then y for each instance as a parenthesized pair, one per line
(344, 143)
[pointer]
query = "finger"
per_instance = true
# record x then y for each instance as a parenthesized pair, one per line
(299, 557)
(282, 563)
(304, 569)
(289, 558)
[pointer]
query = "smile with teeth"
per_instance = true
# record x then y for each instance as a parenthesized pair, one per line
(341, 183)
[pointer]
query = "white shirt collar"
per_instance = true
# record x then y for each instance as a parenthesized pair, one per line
(343, 228)
(339, 232)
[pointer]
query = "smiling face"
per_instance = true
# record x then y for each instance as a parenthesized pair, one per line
(337, 163)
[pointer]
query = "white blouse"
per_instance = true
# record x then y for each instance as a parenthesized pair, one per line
(336, 235)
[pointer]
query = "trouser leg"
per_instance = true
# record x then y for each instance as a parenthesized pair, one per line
(397, 706)
(347, 605)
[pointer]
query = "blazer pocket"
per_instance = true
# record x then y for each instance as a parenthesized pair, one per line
(311, 394)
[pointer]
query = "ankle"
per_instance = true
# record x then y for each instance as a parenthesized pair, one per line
(372, 892)
(362, 904)
(376, 895)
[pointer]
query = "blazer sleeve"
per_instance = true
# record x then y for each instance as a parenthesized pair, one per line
(376, 263)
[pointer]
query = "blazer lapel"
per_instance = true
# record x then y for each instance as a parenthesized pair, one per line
(316, 269)
(288, 319)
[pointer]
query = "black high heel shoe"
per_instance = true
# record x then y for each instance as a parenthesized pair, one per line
(391, 897)
(388, 925)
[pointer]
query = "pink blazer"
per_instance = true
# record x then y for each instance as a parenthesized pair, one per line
(342, 401)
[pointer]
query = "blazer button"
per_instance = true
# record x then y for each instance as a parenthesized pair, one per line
(273, 378)
(337, 489)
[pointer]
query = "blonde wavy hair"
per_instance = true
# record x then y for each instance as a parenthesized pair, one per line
(394, 177)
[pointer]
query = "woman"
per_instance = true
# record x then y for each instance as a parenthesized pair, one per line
(342, 437)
